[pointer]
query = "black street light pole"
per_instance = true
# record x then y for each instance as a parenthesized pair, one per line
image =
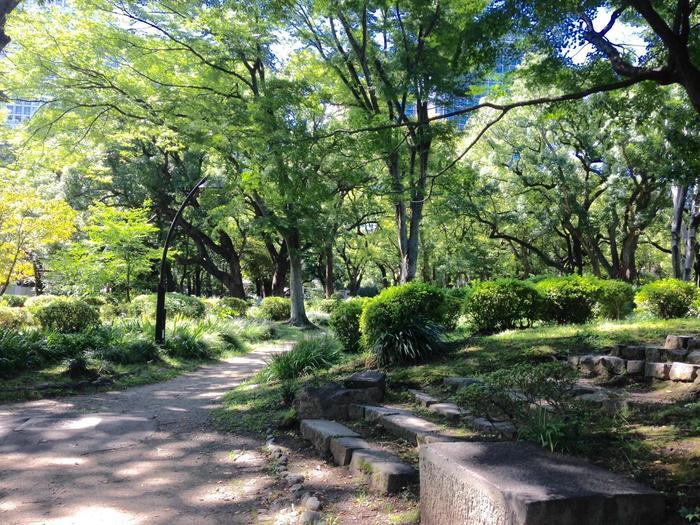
(162, 285)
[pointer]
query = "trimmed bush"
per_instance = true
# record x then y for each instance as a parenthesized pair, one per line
(66, 315)
(34, 303)
(345, 322)
(14, 318)
(404, 323)
(275, 308)
(68, 345)
(454, 303)
(175, 304)
(502, 304)
(569, 299)
(615, 299)
(308, 356)
(367, 291)
(328, 305)
(666, 298)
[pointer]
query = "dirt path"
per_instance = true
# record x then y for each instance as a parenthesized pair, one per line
(144, 455)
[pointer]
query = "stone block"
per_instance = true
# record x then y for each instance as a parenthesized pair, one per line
(423, 398)
(459, 382)
(654, 354)
(693, 357)
(635, 368)
(614, 365)
(683, 372)
(694, 344)
(504, 428)
(677, 341)
(657, 370)
(590, 365)
(636, 353)
(516, 483)
(386, 473)
(573, 360)
(368, 379)
(373, 413)
(342, 449)
(332, 401)
(606, 402)
(447, 410)
(356, 411)
(409, 427)
(676, 354)
(320, 432)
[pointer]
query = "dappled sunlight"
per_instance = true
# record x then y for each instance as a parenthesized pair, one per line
(96, 514)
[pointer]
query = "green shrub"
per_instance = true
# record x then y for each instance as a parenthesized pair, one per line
(367, 291)
(175, 304)
(190, 341)
(231, 340)
(20, 350)
(454, 304)
(133, 352)
(308, 356)
(275, 308)
(615, 299)
(404, 323)
(569, 299)
(502, 304)
(230, 307)
(666, 298)
(94, 300)
(14, 300)
(36, 302)
(14, 318)
(328, 305)
(66, 315)
(254, 330)
(68, 345)
(345, 322)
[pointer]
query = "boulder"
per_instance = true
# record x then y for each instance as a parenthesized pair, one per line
(693, 357)
(447, 410)
(590, 365)
(516, 483)
(694, 344)
(607, 402)
(635, 368)
(320, 432)
(386, 473)
(683, 372)
(677, 341)
(657, 370)
(332, 401)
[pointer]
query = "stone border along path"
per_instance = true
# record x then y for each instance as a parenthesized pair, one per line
(677, 360)
(145, 455)
(504, 483)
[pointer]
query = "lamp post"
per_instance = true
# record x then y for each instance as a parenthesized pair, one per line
(160, 302)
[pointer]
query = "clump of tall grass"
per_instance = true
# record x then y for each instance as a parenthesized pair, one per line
(308, 356)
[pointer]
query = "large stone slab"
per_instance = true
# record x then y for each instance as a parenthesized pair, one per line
(386, 473)
(447, 410)
(635, 367)
(590, 365)
(320, 432)
(459, 382)
(423, 398)
(368, 379)
(614, 365)
(657, 370)
(342, 449)
(332, 401)
(409, 427)
(636, 352)
(515, 483)
(655, 354)
(694, 357)
(676, 354)
(683, 372)
(373, 413)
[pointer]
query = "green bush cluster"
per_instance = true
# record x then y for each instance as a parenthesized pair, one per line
(502, 304)
(175, 304)
(66, 315)
(570, 299)
(405, 323)
(275, 308)
(308, 356)
(345, 322)
(666, 298)
(15, 301)
(229, 307)
(14, 318)
(21, 350)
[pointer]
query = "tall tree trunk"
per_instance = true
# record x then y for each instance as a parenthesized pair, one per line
(678, 195)
(296, 282)
(328, 277)
(691, 235)
(628, 258)
(38, 275)
(280, 258)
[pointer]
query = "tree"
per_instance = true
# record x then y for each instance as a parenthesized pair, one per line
(116, 250)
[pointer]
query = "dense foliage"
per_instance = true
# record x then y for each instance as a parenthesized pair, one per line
(175, 304)
(66, 315)
(275, 308)
(309, 355)
(666, 298)
(345, 322)
(502, 304)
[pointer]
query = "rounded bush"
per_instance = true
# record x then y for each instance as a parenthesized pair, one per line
(175, 304)
(34, 303)
(666, 298)
(454, 302)
(328, 305)
(67, 315)
(615, 299)
(345, 322)
(230, 307)
(14, 318)
(275, 308)
(404, 323)
(69, 345)
(569, 299)
(502, 304)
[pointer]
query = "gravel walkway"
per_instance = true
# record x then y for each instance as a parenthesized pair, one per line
(144, 455)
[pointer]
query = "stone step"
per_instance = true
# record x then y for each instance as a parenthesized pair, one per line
(664, 364)
(459, 382)
(422, 398)
(517, 483)
(321, 431)
(386, 473)
(446, 410)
